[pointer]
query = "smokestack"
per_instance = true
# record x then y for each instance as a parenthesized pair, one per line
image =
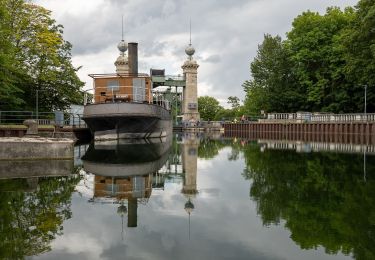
(132, 213)
(133, 57)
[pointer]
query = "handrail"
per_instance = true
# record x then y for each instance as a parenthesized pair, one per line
(321, 117)
(44, 118)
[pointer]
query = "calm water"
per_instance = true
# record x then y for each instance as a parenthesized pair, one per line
(192, 198)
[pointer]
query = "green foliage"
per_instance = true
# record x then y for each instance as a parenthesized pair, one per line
(9, 90)
(322, 197)
(208, 107)
(209, 148)
(31, 217)
(225, 114)
(234, 102)
(315, 47)
(321, 66)
(272, 87)
(34, 56)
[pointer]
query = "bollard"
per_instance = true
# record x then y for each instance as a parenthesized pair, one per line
(32, 127)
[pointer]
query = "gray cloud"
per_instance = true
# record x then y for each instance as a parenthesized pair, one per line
(225, 34)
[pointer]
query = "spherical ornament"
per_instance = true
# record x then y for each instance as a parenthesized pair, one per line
(122, 46)
(190, 50)
(189, 207)
(122, 210)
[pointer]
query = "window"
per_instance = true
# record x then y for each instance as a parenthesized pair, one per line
(113, 85)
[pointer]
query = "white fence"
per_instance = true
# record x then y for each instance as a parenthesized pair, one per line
(301, 117)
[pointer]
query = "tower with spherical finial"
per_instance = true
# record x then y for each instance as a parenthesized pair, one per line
(122, 63)
(190, 102)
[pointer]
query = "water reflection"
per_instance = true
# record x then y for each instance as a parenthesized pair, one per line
(196, 197)
(324, 198)
(33, 206)
(123, 172)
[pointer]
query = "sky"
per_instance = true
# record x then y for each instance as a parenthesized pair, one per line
(225, 35)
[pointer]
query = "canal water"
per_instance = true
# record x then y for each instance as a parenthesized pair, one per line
(192, 197)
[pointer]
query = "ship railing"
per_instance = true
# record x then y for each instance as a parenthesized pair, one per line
(132, 98)
(122, 94)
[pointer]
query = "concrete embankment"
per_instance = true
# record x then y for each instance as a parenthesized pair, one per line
(47, 131)
(35, 168)
(14, 148)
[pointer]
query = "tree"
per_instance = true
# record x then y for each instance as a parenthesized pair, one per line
(40, 59)
(9, 89)
(208, 107)
(315, 47)
(272, 88)
(234, 102)
(359, 47)
(322, 65)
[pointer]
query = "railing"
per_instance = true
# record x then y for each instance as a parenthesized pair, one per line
(317, 146)
(342, 117)
(57, 118)
(122, 94)
(174, 77)
(319, 117)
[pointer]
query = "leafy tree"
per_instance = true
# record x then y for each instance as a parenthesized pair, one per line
(208, 107)
(315, 47)
(225, 114)
(234, 102)
(322, 65)
(9, 89)
(40, 59)
(272, 87)
(359, 47)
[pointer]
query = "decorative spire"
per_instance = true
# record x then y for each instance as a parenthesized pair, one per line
(122, 46)
(190, 49)
(122, 28)
(190, 32)
(121, 63)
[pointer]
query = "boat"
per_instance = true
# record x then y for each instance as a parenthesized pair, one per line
(123, 104)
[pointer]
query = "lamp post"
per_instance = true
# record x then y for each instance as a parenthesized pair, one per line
(365, 102)
(36, 104)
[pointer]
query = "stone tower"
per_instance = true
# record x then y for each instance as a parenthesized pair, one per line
(189, 157)
(190, 93)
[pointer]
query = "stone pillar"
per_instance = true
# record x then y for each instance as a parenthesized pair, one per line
(189, 164)
(190, 101)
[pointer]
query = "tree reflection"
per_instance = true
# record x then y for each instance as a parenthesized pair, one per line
(209, 148)
(322, 198)
(32, 214)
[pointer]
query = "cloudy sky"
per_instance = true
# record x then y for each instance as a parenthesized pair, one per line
(225, 34)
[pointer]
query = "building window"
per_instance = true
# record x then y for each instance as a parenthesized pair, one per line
(113, 85)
